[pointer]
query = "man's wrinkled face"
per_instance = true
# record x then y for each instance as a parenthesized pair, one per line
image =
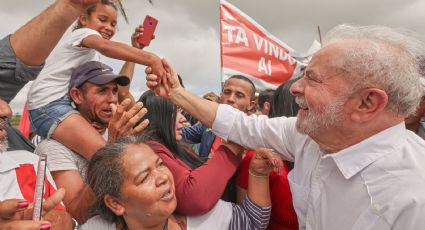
(97, 100)
(321, 94)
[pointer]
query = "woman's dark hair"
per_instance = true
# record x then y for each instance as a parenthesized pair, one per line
(162, 124)
(116, 4)
(283, 102)
(105, 176)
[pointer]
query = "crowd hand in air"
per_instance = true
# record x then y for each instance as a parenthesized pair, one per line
(264, 161)
(134, 37)
(123, 122)
(163, 86)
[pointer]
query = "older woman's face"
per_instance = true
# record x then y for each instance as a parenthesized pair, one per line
(147, 192)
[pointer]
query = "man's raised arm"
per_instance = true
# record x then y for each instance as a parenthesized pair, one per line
(170, 88)
(34, 41)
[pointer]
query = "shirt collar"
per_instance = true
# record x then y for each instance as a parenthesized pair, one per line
(7, 163)
(354, 159)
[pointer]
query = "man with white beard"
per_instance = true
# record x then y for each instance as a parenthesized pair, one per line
(356, 166)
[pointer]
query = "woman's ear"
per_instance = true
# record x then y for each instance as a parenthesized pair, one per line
(113, 204)
(370, 102)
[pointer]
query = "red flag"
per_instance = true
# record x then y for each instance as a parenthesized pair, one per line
(24, 124)
(248, 49)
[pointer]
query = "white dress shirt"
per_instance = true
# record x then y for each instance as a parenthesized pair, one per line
(378, 183)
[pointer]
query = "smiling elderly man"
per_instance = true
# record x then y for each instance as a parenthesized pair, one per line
(356, 166)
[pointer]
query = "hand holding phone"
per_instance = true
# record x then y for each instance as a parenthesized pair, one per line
(39, 188)
(149, 26)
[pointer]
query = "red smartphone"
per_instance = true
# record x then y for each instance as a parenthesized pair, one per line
(149, 26)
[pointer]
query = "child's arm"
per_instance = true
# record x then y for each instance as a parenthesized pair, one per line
(128, 68)
(124, 52)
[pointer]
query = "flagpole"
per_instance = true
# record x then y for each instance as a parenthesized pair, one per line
(320, 35)
(221, 48)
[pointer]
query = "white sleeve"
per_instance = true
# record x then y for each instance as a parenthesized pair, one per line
(218, 217)
(79, 34)
(257, 131)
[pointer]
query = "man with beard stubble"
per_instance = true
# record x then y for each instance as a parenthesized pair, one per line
(94, 91)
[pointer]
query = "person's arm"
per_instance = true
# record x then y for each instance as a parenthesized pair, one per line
(34, 41)
(193, 134)
(124, 91)
(197, 192)
(124, 52)
(255, 211)
(170, 88)
(226, 121)
(250, 216)
(79, 196)
(128, 67)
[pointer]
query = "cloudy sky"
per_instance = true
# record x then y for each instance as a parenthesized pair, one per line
(187, 33)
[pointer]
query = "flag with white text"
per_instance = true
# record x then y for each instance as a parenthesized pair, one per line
(248, 49)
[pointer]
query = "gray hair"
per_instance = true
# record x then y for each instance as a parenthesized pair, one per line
(385, 58)
(105, 175)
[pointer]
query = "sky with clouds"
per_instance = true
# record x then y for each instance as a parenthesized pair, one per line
(187, 33)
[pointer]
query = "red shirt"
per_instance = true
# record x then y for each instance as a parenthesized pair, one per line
(198, 190)
(283, 215)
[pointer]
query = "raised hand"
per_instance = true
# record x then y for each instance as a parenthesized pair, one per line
(123, 122)
(134, 37)
(163, 86)
(264, 161)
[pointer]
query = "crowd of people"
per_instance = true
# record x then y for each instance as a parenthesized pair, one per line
(341, 146)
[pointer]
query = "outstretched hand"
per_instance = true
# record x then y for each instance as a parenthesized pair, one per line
(123, 122)
(164, 86)
(264, 161)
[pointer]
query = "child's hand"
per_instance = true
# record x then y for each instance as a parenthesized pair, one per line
(264, 161)
(138, 32)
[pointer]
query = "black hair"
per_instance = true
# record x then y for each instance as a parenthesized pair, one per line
(241, 77)
(162, 122)
(283, 102)
(265, 96)
(117, 5)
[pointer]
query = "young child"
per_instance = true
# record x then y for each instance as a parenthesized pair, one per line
(49, 105)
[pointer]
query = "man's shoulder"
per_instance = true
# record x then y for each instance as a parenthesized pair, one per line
(51, 146)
